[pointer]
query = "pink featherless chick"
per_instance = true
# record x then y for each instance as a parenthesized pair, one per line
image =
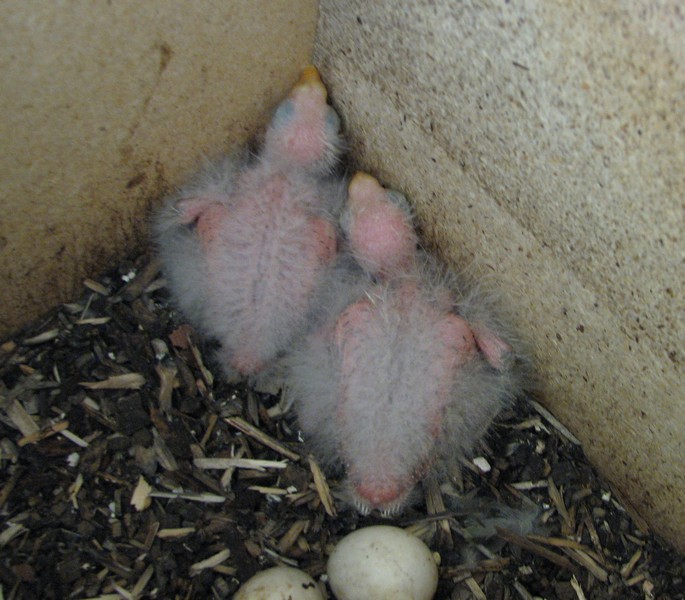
(246, 246)
(411, 367)
(378, 227)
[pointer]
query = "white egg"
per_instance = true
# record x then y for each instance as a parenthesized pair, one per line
(382, 563)
(279, 583)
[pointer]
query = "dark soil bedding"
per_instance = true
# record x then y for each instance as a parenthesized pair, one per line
(110, 414)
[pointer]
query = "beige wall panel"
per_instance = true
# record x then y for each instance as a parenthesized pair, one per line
(106, 106)
(543, 144)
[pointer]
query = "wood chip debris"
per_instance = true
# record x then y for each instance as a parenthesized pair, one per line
(175, 533)
(322, 487)
(74, 489)
(239, 463)
(96, 286)
(126, 381)
(526, 544)
(290, 537)
(557, 498)
(202, 497)
(72, 437)
(44, 433)
(262, 437)
(93, 321)
(167, 382)
(552, 420)
(584, 560)
(41, 338)
(156, 469)
(577, 589)
(141, 495)
(475, 589)
(141, 584)
(12, 531)
(141, 281)
(209, 563)
(435, 505)
(21, 419)
(269, 491)
(627, 569)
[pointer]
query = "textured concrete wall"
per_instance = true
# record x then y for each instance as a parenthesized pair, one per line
(546, 141)
(105, 106)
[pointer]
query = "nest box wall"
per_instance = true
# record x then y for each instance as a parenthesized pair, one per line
(545, 142)
(108, 105)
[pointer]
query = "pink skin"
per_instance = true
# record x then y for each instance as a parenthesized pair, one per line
(382, 238)
(264, 238)
(306, 140)
(207, 215)
(235, 247)
(381, 479)
(410, 371)
(380, 233)
(494, 349)
(317, 248)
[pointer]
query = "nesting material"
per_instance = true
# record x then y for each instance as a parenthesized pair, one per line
(92, 542)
